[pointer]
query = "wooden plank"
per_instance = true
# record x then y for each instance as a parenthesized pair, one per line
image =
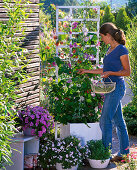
(29, 29)
(32, 47)
(32, 70)
(28, 93)
(30, 24)
(36, 73)
(31, 56)
(35, 104)
(4, 10)
(30, 42)
(32, 1)
(30, 83)
(33, 78)
(28, 97)
(30, 88)
(28, 102)
(31, 15)
(29, 34)
(33, 65)
(34, 60)
(32, 6)
(28, 20)
(35, 51)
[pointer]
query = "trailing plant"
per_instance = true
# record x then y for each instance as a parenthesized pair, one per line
(11, 72)
(67, 151)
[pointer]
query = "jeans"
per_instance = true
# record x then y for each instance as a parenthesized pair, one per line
(112, 111)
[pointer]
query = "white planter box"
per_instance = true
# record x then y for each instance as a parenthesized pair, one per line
(82, 131)
(98, 163)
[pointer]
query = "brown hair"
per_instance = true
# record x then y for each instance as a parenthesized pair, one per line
(116, 33)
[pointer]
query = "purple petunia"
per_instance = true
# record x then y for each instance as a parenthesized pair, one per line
(31, 123)
(37, 118)
(32, 116)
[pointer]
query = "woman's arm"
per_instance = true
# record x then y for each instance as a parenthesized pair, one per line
(126, 68)
(95, 71)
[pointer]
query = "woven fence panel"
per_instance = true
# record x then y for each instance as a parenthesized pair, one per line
(29, 91)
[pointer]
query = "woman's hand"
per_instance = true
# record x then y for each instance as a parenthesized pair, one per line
(81, 71)
(106, 74)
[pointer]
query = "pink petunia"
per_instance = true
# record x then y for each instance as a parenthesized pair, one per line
(40, 133)
(31, 123)
(32, 116)
(33, 131)
(43, 129)
(26, 120)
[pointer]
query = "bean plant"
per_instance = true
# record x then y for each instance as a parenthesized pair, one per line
(11, 72)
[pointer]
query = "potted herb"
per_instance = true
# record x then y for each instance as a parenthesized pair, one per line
(97, 155)
(35, 121)
(63, 153)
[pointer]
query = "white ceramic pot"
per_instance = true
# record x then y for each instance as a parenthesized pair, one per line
(59, 167)
(98, 163)
(81, 131)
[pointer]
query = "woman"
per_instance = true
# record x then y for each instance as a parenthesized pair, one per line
(116, 65)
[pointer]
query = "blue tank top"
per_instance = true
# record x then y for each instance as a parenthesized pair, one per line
(113, 63)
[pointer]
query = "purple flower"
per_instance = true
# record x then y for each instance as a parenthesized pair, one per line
(33, 131)
(43, 129)
(26, 120)
(54, 64)
(92, 58)
(32, 116)
(37, 116)
(75, 44)
(40, 133)
(70, 45)
(31, 123)
(37, 122)
(74, 25)
(69, 81)
(69, 65)
(93, 94)
(56, 98)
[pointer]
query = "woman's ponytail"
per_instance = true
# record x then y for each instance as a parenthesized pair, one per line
(116, 33)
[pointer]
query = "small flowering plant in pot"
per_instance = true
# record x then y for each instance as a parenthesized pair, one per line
(63, 153)
(97, 155)
(69, 153)
(37, 119)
